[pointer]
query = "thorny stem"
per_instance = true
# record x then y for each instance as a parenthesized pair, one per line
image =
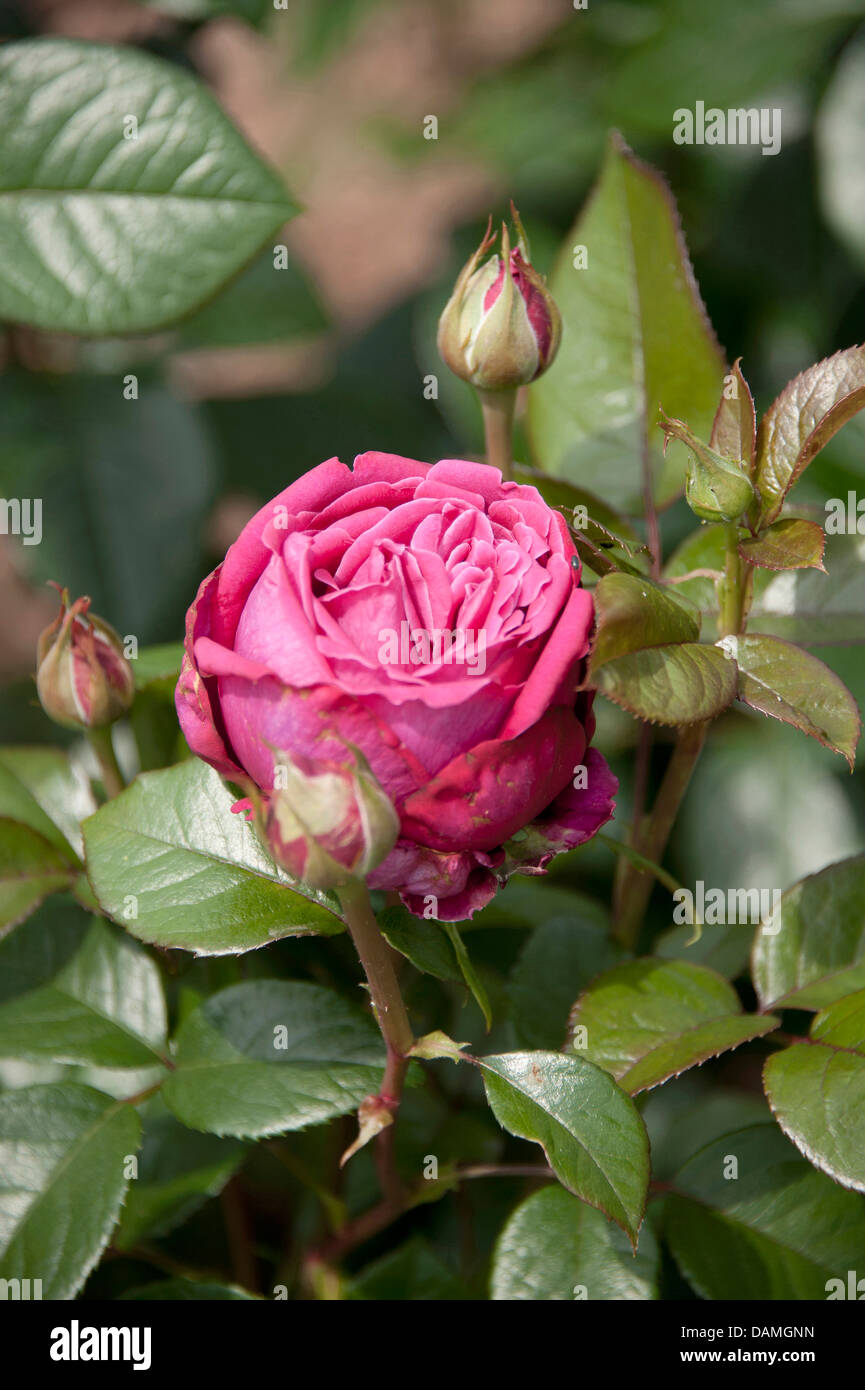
(498, 412)
(377, 959)
(102, 745)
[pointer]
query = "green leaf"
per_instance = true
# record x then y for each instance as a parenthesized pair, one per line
(264, 305)
(178, 1169)
(817, 955)
(779, 1230)
(104, 1007)
(470, 975)
(787, 683)
(649, 1020)
(31, 867)
(158, 666)
(635, 336)
(723, 949)
(817, 1091)
(634, 614)
(172, 863)
(557, 962)
(801, 421)
(590, 1131)
(555, 1248)
(424, 943)
(63, 1152)
(39, 787)
(683, 684)
(110, 227)
(788, 544)
(37, 951)
(270, 1056)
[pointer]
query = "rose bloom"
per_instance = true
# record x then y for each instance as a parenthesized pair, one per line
(284, 651)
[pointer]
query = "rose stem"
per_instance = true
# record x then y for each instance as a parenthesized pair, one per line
(653, 842)
(103, 747)
(498, 412)
(377, 959)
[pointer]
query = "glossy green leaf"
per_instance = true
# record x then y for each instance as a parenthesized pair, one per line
(684, 684)
(34, 953)
(31, 868)
(788, 544)
(590, 1131)
(270, 1056)
(556, 1248)
(725, 949)
(817, 955)
(557, 962)
(801, 421)
(633, 614)
(127, 198)
(63, 1155)
(178, 1169)
(171, 862)
(787, 683)
(104, 1007)
(475, 984)
(636, 336)
(778, 1230)
(39, 787)
(817, 1091)
(649, 1020)
(413, 1272)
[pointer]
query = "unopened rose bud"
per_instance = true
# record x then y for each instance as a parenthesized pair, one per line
(83, 679)
(328, 823)
(716, 488)
(501, 327)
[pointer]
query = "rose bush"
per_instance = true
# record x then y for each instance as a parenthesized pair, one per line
(286, 650)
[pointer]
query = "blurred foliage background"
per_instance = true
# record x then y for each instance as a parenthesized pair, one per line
(287, 368)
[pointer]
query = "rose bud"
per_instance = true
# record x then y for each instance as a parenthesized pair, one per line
(716, 488)
(83, 679)
(328, 823)
(501, 327)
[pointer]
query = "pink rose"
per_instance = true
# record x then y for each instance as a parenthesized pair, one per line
(431, 616)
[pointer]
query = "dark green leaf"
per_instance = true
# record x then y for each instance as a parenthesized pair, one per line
(170, 860)
(413, 1272)
(158, 666)
(554, 1247)
(557, 962)
(185, 1291)
(115, 227)
(422, 942)
(269, 1056)
(469, 973)
(778, 1230)
(63, 1152)
(635, 336)
(265, 305)
(649, 1020)
(591, 1132)
(178, 1169)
